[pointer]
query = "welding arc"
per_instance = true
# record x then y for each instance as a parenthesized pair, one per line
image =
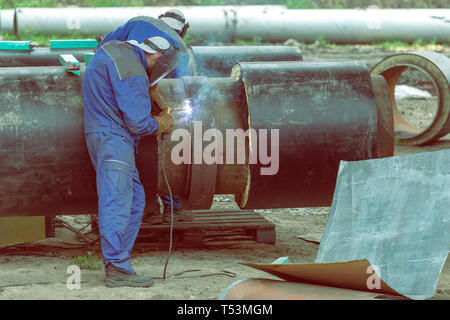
(437, 67)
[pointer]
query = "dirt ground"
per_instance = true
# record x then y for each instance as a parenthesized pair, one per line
(44, 277)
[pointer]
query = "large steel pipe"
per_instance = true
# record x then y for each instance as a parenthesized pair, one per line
(38, 56)
(212, 23)
(7, 20)
(323, 114)
(347, 25)
(209, 61)
(217, 61)
(270, 23)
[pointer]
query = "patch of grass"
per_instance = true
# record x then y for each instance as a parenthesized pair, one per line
(211, 2)
(321, 41)
(301, 4)
(416, 45)
(256, 41)
(89, 262)
(41, 39)
(9, 4)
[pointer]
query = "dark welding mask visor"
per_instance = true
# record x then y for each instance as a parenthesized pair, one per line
(164, 65)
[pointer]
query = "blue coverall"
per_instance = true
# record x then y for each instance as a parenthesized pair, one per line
(141, 28)
(117, 109)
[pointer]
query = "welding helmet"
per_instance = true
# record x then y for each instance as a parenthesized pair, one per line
(174, 18)
(169, 59)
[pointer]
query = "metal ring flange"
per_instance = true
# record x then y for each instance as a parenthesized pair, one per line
(201, 179)
(437, 67)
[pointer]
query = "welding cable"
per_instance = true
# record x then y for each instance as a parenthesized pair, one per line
(163, 137)
(36, 283)
(178, 275)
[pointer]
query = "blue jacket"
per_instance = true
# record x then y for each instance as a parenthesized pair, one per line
(115, 92)
(143, 27)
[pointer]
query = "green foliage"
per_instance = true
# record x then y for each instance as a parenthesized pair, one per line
(301, 4)
(291, 4)
(419, 44)
(391, 45)
(103, 3)
(42, 40)
(89, 262)
(187, 38)
(255, 42)
(211, 2)
(321, 41)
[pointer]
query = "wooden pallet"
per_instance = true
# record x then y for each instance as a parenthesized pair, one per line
(212, 228)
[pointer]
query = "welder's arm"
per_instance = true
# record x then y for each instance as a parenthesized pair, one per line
(133, 99)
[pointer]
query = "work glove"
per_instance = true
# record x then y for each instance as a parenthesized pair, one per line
(157, 102)
(165, 122)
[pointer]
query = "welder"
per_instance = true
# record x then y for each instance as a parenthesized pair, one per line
(117, 113)
(172, 26)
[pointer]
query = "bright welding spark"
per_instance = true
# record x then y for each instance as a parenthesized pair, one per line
(187, 106)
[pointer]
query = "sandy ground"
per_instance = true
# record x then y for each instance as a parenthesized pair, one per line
(40, 277)
(44, 277)
(27, 270)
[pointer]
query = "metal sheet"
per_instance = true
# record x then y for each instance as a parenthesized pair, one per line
(351, 275)
(267, 289)
(15, 230)
(395, 213)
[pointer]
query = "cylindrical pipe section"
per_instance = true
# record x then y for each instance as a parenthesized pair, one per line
(45, 165)
(324, 113)
(201, 105)
(437, 67)
(270, 23)
(208, 23)
(304, 118)
(45, 168)
(209, 61)
(346, 25)
(38, 56)
(217, 61)
(7, 20)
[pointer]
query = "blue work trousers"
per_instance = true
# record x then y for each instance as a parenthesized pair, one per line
(121, 197)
